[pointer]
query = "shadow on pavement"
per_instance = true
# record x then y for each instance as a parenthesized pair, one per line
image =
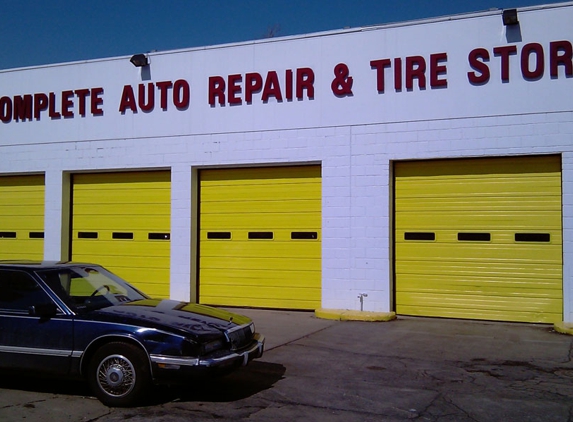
(243, 383)
(13, 380)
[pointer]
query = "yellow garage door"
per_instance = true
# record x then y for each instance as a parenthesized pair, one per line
(22, 217)
(479, 238)
(122, 221)
(260, 237)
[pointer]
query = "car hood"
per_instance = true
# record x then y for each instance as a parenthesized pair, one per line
(174, 316)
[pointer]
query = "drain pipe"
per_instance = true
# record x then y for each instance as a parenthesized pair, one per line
(361, 296)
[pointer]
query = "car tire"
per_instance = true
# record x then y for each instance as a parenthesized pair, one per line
(119, 374)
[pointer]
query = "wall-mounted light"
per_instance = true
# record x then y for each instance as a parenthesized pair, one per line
(509, 17)
(139, 60)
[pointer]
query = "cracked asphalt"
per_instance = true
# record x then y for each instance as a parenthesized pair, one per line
(417, 369)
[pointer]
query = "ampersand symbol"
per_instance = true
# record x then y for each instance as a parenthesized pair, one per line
(342, 83)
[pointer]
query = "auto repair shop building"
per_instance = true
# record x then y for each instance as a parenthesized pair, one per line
(424, 168)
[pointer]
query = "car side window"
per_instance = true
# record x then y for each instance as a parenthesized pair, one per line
(19, 291)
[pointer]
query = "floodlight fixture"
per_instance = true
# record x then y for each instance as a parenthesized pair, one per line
(509, 17)
(139, 60)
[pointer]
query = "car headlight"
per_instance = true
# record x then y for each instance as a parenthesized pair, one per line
(190, 348)
(212, 346)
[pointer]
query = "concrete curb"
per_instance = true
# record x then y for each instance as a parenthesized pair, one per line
(563, 328)
(348, 315)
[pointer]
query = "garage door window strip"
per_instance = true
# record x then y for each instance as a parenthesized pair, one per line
(261, 235)
(159, 236)
(121, 235)
(219, 235)
(419, 236)
(474, 237)
(304, 235)
(532, 237)
(87, 235)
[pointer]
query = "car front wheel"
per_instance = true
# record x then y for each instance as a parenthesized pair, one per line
(119, 374)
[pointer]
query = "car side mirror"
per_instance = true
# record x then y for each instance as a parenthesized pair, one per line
(46, 310)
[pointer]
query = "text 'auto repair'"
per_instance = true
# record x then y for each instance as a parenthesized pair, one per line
(534, 60)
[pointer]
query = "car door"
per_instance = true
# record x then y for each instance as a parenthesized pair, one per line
(29, 341)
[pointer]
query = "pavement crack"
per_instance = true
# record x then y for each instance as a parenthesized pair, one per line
(336, 409)
(441, 413)
(97, 418)
(28, 405)
(298, 338)
(451, 403)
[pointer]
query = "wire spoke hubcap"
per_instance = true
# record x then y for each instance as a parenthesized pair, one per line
(116, 375)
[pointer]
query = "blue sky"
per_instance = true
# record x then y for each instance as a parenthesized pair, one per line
(35, 32)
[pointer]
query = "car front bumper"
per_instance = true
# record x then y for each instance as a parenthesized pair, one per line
(169, 365)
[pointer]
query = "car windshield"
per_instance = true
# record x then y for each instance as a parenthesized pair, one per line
(89, 287)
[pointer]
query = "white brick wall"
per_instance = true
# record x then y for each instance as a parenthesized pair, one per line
(354, 139)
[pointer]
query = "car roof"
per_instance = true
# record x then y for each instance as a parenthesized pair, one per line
(31, 264)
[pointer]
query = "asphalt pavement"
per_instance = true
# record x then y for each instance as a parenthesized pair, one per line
(419, 369)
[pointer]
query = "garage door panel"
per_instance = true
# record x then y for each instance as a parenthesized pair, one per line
(128, 179)
(273, 303)
(150, 273)
(481, 220)
(253, 248)
(245, 207)
(22, 200)
(487, 203)
(131, 261)
(21, 212)
(444, 267)
(469, 312)
(493, 254)
(496, 250)
(268, 222)
(242, 263)
(261, 292)
(268, 298)
(267, 204)
(255, 278)
(147, 275)
(260, 175)
(497, 305)
(486, 285)
(122, 209)
(113, 187)
(149, 279)
(518, 165)
(500, 237)
(109, 209)
(148, 250)
(271, 191)
(22, 223)
(279, 235)
(21, 248)
(519, 189)
(99, 223)
(485, 303)
(134, 202)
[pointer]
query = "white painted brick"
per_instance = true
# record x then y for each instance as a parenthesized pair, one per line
(355, 147)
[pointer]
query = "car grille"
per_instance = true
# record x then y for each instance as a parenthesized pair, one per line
(240, 336)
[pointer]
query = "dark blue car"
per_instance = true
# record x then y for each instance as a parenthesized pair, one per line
(80, 320)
